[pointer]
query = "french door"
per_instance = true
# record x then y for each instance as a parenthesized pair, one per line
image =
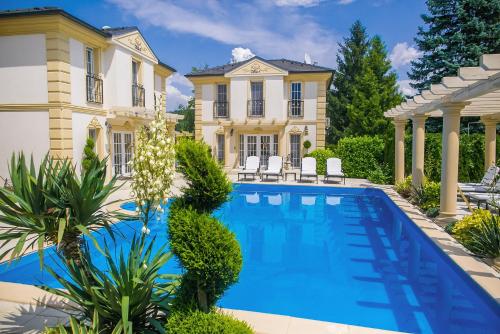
(262, 146)
(295, 150)
(122, 153)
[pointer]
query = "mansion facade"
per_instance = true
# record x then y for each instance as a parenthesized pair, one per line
(261, 107)
(65, 80)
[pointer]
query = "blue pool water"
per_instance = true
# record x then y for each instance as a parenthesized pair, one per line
(333, 254)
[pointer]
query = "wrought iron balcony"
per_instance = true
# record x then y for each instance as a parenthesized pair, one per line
(221, 109)
(296, 108)
(137, 95)
(94, 89)
(255, 108)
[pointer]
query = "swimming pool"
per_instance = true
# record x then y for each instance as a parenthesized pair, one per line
(335, 254)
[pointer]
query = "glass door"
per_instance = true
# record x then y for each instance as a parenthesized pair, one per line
(122, 153)
(265, 150)
(295, 150)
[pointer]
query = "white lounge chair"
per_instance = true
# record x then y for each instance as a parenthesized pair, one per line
(252, 165)
(274, 168)
(489, 199)
(487, 184)
(308, 168)
(334, 169)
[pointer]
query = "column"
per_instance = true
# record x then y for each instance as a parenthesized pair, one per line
(399, 153)
(59, 95)
(417, 155)
(490, 142)
(449, 163)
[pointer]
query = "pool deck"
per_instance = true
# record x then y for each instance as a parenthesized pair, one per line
(27, 309)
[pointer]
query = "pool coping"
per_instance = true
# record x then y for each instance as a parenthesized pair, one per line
(266, 323)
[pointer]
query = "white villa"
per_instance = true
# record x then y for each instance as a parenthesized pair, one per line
(65, 80)
(261, 107)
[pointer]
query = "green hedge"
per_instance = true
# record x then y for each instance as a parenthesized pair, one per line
(207, 323)
(471, 156)
(360, 155)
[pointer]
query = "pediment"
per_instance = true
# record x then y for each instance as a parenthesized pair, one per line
(256, 67)
(136, 43)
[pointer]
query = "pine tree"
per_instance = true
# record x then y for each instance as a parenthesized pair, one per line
(375, 91)
(349, 66)
(457, 33)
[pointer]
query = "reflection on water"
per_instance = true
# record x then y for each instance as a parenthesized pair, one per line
(348, 258)
(332, 254)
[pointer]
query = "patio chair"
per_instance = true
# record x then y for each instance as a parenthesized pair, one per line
(308, 168)
(487, 184)
(274, 168)
(489, 199)
(252, 165)
(334, 169)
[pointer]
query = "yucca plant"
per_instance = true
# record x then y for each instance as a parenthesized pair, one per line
(77, 327)
(52, 204)
(485, 241)
(129, 295)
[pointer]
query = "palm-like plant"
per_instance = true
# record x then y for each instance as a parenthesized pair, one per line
(129, 296)
(52, 205)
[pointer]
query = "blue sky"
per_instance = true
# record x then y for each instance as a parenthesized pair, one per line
(198, 32)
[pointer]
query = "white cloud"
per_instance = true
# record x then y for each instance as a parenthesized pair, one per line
(345, 2)
(175, 98)
(402, 54)
(405, 88)
(270, 32)
(241, 54)
(179, 80)
(297, 3)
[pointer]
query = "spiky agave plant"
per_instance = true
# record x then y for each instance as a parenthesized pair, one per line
(52, 204)
(485, 241)
(129, 295)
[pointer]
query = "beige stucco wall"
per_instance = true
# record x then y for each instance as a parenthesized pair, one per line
(23, 69)
(26, 131)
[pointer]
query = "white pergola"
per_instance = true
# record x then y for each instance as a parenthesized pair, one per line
(474, 92)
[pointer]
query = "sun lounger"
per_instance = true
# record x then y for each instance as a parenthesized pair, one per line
(308, 168)
(274, 168)
(252, 165)
(334, 169)
(487, 184)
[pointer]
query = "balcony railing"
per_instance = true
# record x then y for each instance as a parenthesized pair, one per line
(255, 108)
(137, 95)
(296, 108)
(221, 109)
(94, 89)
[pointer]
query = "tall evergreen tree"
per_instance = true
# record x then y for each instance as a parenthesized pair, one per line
(375, 91)
(349, 66)
(457, 33)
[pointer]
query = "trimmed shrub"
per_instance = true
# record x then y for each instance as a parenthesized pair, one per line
(208, 186)
(380, 175)
(463, 229)
(88, 154)
(207, 250)
(321, 155)
(360, 155)
(471, 158)
(207, 323)
(205, 247)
